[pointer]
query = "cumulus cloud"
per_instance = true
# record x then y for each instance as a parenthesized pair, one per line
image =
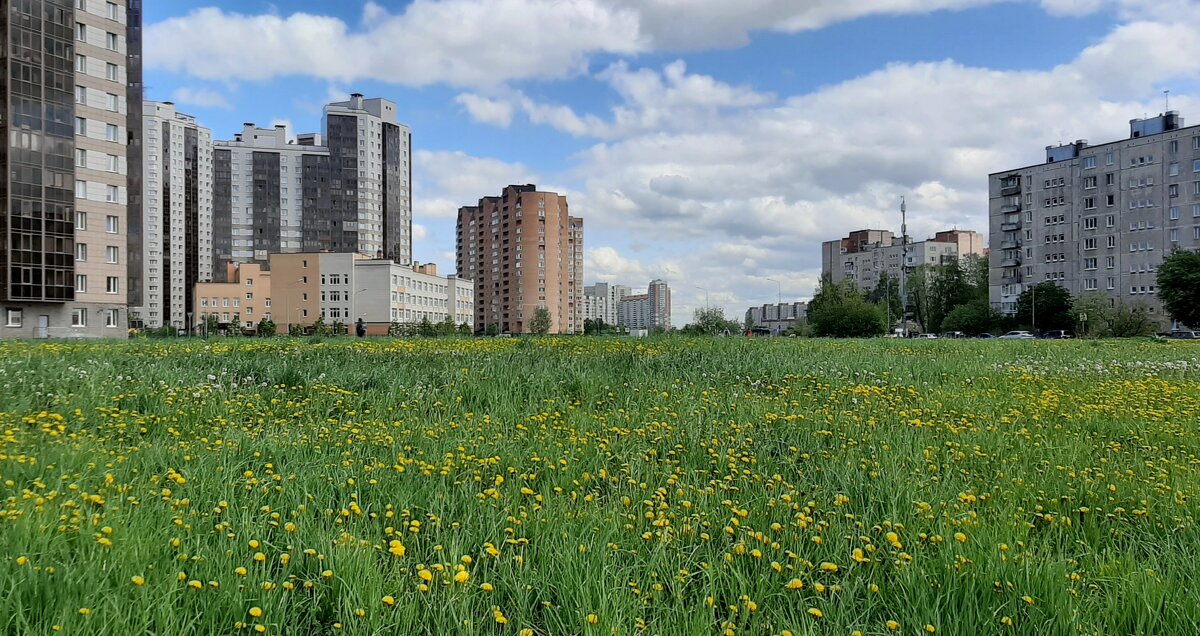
(200, 97)
(475, 42)
(446, 181)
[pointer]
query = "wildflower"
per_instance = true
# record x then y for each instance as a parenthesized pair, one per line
(240, 571)
(499, 616)
(327, 574)
(486, 587)
(929, 629)
(389, 600)
(960, 537)
(256, 612)
(795, 584)
(22, 560)
(592, 619)
(1006, 621)
(85, 611)
(815, 613)
(138, 580)
(893, 626)
(396, 548)
(829, 567)
(462, 576)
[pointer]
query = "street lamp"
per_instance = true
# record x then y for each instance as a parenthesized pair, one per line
(705, 295)
(779, 287)
(287, 302)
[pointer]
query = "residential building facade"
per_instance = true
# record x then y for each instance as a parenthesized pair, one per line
(346, 287)
(523, 250)
(65, 183)
(348, 189)
(1097, 219)
(651, 310)
(775, 319)
(177, 216)
(241, 301)
(864, 254)
(600, 301)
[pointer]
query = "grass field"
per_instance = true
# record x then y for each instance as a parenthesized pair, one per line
(583, 486)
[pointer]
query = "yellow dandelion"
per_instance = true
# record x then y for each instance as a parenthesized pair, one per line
(499, 616)
(389, 600)
(138, 580)
(462, 576)
(396, 548)
(893, 626)
(487, 587)
(960, 537)
(795, 584)
(815, 613)
(829, 567)
(592, 619)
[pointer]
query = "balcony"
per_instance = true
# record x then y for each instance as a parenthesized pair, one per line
(1010, 190)
(1011, 260)
(1010, 245)
(1010, 209)
(1010, 226)
(1011, 277)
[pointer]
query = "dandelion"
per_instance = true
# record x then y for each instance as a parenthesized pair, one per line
(22, 561)
(396, 548)
(592, 619)
(462, 576)
(893, 626)
(85, 611)
(815, 613)
(498, 616)
(795, 584)
(138, 580)
(960, 537)
(487, 587)
(389, 600)
(829, 567)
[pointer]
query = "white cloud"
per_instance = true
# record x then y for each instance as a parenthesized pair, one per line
(200, 97)
(489, 111)
(483, 43)
(446, 181)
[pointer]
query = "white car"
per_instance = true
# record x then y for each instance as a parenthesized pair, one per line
(1018, 335)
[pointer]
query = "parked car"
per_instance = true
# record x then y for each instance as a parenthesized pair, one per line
(1057, 334)
(954, 334)
(985, 335)
(926, 336)
(1185, 335)
(1018, 335)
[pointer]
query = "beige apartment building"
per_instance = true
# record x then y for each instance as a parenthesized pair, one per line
(862, 255)
(347, 287)
(524, 251)
(243, 301)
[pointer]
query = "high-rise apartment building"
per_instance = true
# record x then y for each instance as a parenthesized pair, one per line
(67, 73)
(862, 255)
(651, 310)
(600, 301)
(524, 251)
(1097, 219)
(177, 216)
(347, 190)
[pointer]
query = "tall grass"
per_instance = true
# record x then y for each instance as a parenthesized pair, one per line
(599, 486)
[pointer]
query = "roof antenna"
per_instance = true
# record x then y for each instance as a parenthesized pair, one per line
(1167, 101)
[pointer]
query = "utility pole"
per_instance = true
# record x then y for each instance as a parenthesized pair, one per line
(903, 267)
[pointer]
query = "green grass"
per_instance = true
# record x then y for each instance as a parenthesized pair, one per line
(662, 487)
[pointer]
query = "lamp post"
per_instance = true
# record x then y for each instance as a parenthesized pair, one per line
(779, 289)
(287, 304)
(705, 295)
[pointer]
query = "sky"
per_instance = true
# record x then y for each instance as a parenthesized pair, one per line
(711, 143)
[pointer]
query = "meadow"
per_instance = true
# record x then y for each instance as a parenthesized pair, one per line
(599, 486)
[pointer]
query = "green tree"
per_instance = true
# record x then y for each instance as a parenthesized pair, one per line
(447, 327)
(949, 288)
(492, 329)
(211, 324)
(972, 318)
(425, 328)
(886, 294)
(1051, 310)
(1099, 316)
(266, 328)
(711, 321)
(464, 329)
(1179, 286)
(539, 325)
(839, 310)
(920, 281)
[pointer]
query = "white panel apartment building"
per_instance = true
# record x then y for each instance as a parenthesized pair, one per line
(646, 311)
(600, 301)
(864, 254)
(177, 215)
(1097, 219)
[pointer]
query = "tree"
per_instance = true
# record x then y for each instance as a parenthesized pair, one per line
(425, 328)
(1179, 286)
(266, 327)
(539, 324)
(950, 288)
(447, 326)
(886, 294)
(919, 280)
(211, 324)
(711, 321)
(1052, 309)
(838, 310)
(1102, 317)
(465, 329)
(973, 318)
(492, 329)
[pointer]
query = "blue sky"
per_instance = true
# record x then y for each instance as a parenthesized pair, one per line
(716, 146)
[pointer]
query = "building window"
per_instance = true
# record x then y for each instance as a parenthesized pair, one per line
(111, 10)
(1173, 190)
(1089, 162)
(110, 41)
(1089, 203)
(1090, 223)
(111, 224)
(80, 32)
(80, 126)
(80, 95)
(110, 102)
(1089, 244)
(111, 317)
(81, 64)
(110, 71)
(112, 285)
(111, 194)
(15, 318)
(81, 251)
(1174, 213)
(112, 253)
(111, 131)
(1174, 236)
(1173, 170)
(1112, 241)
(249, 296)
(81, 220)
(79, 318)
(81, 283)
(113, 163)
(80, 158)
